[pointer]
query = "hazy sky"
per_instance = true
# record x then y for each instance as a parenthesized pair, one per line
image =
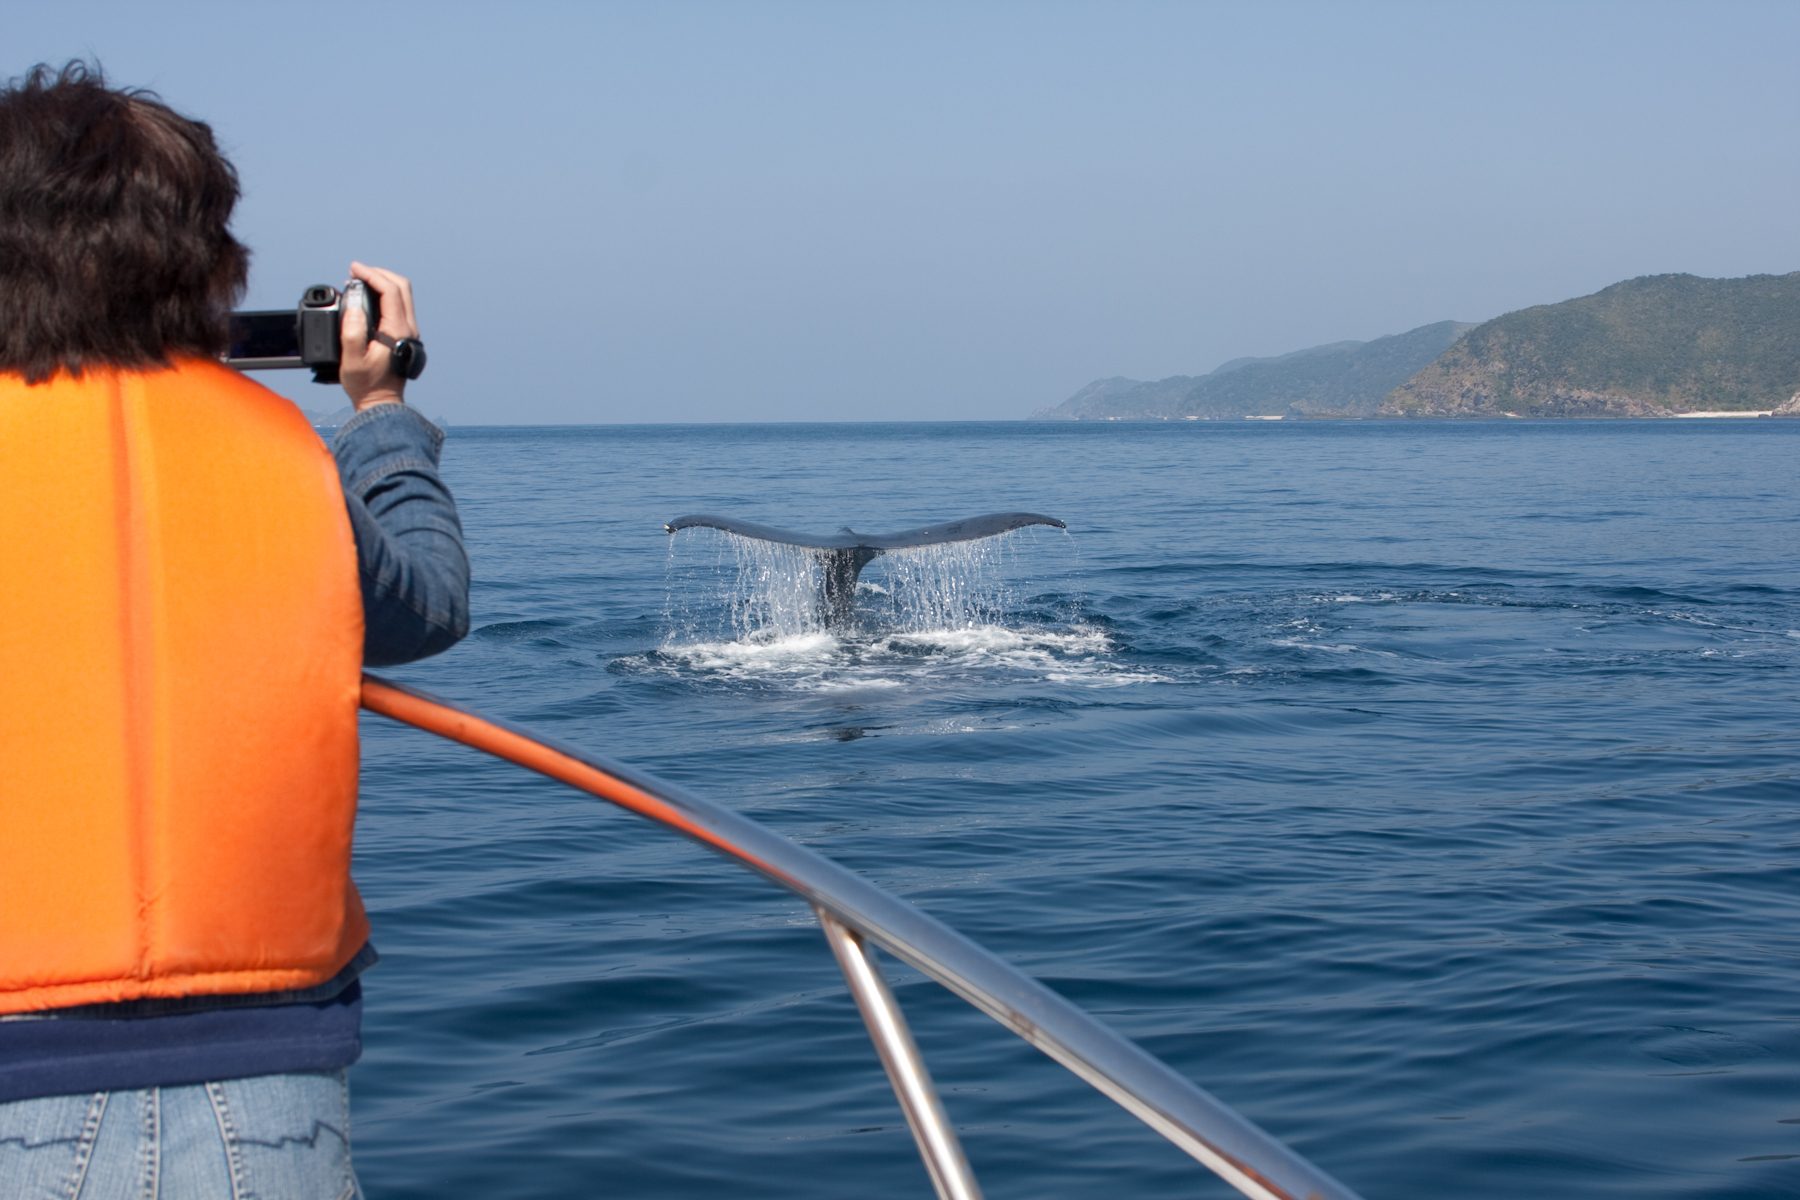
(795, 211)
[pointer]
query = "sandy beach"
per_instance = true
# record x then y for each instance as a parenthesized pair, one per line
(1763, 413)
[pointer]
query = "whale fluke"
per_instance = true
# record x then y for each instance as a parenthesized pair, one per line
(965, 530)
(845, 553)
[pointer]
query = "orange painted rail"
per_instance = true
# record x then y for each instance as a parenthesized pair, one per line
(852, 909)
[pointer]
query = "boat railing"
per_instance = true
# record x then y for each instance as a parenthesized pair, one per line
(855, 915)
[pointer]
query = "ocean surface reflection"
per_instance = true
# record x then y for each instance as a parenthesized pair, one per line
(1427, 791)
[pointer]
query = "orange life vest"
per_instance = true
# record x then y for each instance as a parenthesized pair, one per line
(180, 656)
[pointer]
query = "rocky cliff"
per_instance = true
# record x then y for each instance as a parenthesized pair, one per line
(1653, 346)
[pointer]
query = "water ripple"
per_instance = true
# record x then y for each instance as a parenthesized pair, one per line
(1427, 792)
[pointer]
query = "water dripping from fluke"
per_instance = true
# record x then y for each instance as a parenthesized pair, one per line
(792, 584)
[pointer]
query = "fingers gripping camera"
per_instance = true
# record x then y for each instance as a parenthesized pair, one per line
(321, 331)
(312, 335)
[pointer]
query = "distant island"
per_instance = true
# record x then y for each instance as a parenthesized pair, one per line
(1657, 346)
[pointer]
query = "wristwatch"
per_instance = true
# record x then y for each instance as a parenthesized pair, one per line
(409, 354)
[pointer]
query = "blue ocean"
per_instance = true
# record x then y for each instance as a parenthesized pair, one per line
(1429, 792)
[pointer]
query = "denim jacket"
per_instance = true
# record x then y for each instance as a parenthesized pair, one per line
(409, 548)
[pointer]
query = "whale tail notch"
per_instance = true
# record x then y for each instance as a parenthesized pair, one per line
(844, 554)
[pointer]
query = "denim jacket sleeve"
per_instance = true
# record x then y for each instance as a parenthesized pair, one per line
(409, 548)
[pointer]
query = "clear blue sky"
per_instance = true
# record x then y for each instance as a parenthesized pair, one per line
(798, 211)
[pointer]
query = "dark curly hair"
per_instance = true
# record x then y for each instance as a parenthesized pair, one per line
(114, 241)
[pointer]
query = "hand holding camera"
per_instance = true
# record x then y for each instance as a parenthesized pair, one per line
(364, 337)
(375, 363)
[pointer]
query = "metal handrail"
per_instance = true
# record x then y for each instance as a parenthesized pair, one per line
(852, 909)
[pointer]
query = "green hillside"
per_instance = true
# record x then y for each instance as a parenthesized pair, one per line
(1341, 379)
(1346, 379)
(1645, 347)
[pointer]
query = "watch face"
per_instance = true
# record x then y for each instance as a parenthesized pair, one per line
(409, 358)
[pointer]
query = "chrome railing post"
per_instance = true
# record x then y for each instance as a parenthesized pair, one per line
(938, 1144)
(855, 912)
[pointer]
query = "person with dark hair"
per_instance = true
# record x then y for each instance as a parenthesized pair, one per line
(190, 586)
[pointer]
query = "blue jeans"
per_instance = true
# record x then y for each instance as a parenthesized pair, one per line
(272, 1137)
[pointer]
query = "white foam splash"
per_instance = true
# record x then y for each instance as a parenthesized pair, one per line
(997, 639)
(928, 611)
(764, 653)
(888, 662)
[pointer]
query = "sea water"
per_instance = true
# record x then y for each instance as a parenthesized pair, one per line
(1430, 792)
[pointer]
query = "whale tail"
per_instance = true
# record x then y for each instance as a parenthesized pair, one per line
(844, 554)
